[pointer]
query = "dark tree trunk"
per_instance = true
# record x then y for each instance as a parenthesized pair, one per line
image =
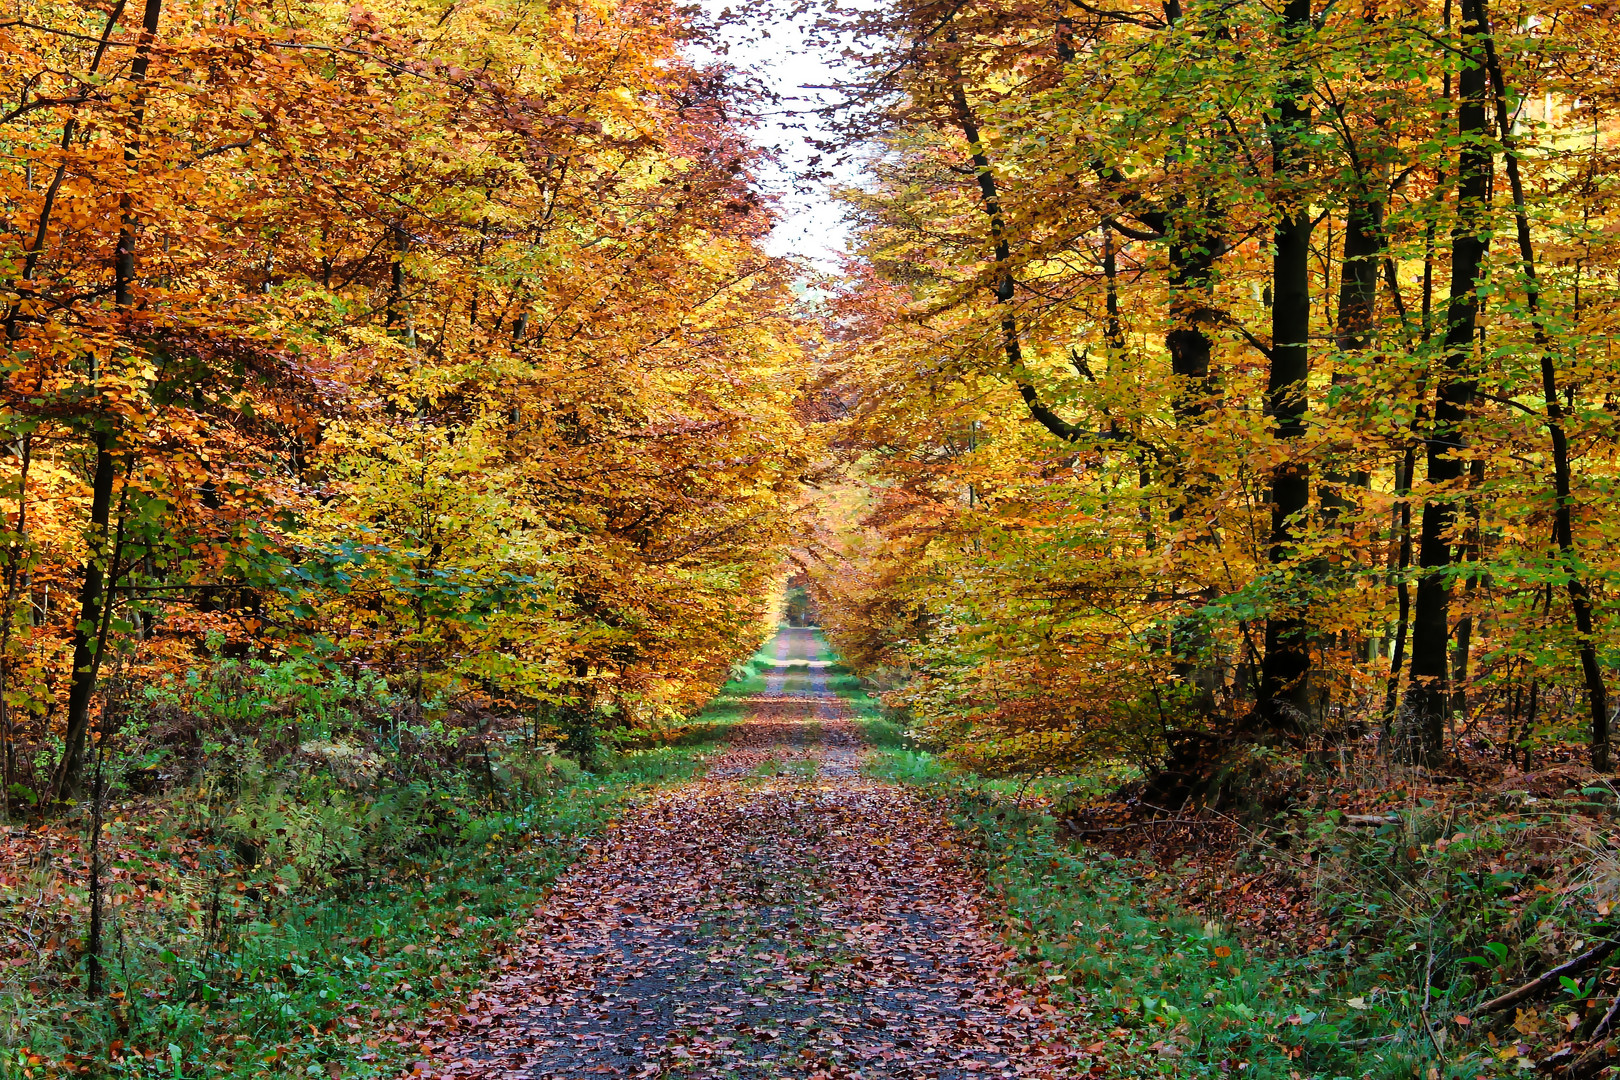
(129, 228)
(1428, 699)
(92, 950)
(1407, 468)
(89, 633)
(396, 280)
(1191, 253)
(1353, 329)
(990, 202)
(1284, 682)
(88, 645)
(1580, 598)
(16, 555)
(1358, 276)
(1403, 591)
(1191, 258)
(1462, 640)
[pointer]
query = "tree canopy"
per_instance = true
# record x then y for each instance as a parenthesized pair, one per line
(1230, 370)
(435, 340)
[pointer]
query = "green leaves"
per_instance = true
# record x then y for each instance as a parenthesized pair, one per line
(1577, 991)
(1498, 951)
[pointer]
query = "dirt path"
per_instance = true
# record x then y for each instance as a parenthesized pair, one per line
(781, 917)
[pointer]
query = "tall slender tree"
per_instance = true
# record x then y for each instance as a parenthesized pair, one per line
(1428, 699)
(1284, 686)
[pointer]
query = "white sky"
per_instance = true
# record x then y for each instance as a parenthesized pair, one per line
(811, 224)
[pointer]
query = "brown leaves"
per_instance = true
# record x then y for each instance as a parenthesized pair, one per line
(782, 913)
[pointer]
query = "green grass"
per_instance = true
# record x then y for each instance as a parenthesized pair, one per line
(1172, 995)
(1182, 997)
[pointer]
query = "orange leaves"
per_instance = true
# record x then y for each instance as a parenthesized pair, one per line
(412, 290)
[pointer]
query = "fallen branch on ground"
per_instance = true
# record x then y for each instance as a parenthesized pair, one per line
(1546, 979)
(1131, 825)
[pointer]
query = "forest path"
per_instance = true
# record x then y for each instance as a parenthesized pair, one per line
(780, 917)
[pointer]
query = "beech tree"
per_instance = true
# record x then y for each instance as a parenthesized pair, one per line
(1218, 237)
(434, 339)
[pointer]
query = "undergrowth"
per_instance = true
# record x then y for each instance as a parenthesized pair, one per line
(229, 953)
(1170, 994)
(1434, 912)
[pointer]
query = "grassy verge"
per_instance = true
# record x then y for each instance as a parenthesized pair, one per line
(1432, 915)
(1168, 993)
(216, 969)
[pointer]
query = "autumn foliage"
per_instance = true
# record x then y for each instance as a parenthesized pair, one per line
(1223, 372)
(432, 341)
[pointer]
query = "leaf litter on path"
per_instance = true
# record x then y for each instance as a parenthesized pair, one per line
(782, 916)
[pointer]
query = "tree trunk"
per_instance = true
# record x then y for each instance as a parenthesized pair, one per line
(1403, 591)
(1191, 258)
(88, 635)
(1284, 682)
(1580, 598)
(1353, 329)
(87, 638)
(42, 225)
(92, 950)
(1406, 469)
(16, 555)
(396, 280)
(1427, 699)
(990, 202)
(1462, 640)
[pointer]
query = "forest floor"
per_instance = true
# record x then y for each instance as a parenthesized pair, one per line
(781, 915)
(795, 885)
